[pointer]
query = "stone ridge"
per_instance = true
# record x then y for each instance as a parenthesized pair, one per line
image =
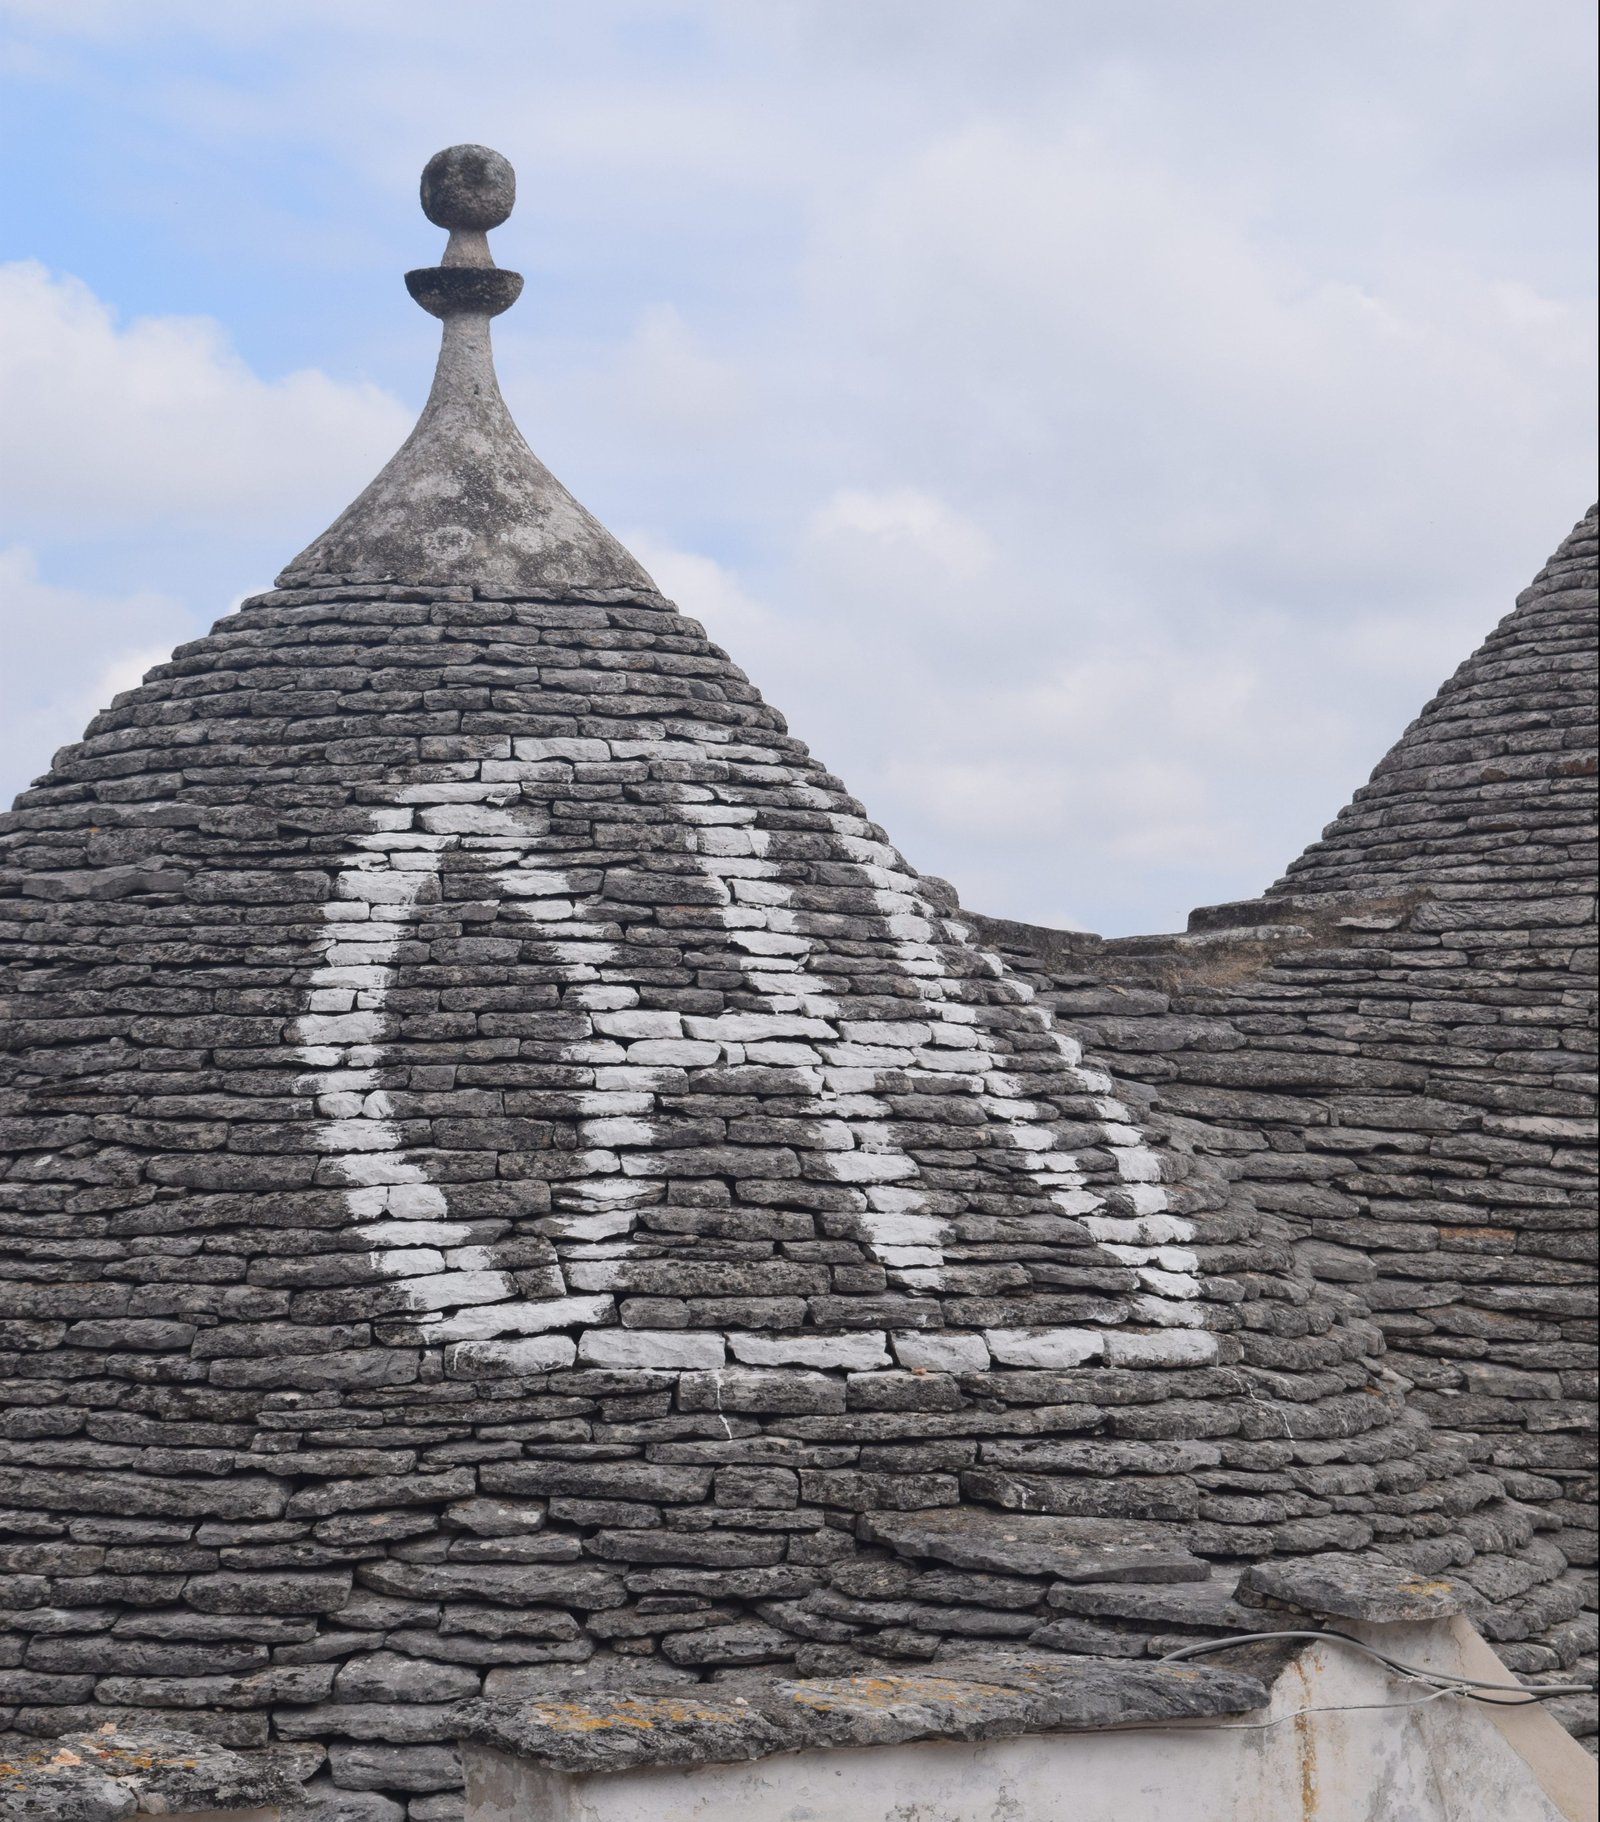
(997, 1695)
(1393, 1053)
(507, 1170)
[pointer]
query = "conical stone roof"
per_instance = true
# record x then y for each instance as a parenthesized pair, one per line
(510, 1177)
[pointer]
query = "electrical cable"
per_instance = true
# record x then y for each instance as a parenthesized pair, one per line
(1294, 1714)
(1447, 1682)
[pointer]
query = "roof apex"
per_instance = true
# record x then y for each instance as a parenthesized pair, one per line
(465, 500)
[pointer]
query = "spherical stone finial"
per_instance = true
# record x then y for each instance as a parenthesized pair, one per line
(468, 187)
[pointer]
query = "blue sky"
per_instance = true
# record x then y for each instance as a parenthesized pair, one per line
(1098, 424)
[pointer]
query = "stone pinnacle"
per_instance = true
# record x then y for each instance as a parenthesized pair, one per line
(464, 501)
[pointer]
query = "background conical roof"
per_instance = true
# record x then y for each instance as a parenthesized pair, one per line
(1393, 1051)
(1492, 786)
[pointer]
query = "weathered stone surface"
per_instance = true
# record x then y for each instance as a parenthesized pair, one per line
(403, 1723)
(385, 1676)
(718, 1645)
(323, 1801)
(1124, 1496)
(497, 1517)
(369, 1765)
(1073, 1549)
(1354, 1588)
(583, 1585)
(982, 1697)
(266, 1592)
(119, 1771)
(601, 1480)
(1087, 1638)
(669, 1349)
(598, 1674)
(1210, 1604)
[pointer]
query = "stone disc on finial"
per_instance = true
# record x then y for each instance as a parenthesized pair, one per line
(468, 187)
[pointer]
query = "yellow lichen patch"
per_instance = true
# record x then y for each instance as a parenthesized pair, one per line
(641, 1714)
(888, 1692)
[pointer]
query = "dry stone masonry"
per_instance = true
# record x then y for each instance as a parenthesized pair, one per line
(511, 1183)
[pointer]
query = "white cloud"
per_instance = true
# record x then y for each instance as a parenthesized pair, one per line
(107, 426)
(1098, 428)
(902, 528)
(669, 374)
(68, 652)
(1063, 311)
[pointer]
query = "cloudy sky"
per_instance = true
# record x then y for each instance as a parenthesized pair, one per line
(1098, 424)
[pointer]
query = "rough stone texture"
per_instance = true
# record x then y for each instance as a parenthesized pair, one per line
(1351, 1588)
(1391, 1053)
(508, 1176)
(114, 1773)
(986, 1697)
(1066, 1549)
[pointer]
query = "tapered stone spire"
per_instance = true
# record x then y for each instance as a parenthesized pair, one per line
(465, 500)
